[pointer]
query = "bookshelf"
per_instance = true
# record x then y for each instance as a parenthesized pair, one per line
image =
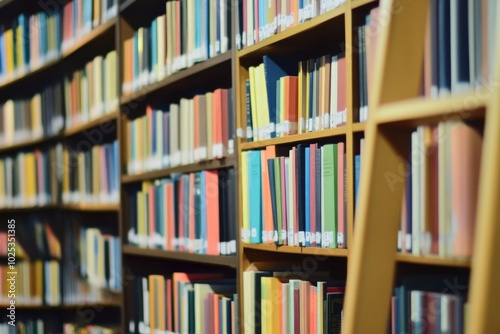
(377, 268)
(144, 89)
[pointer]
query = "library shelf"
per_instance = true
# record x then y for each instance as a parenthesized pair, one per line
(358, 127)
(433, 261)
(419, 111)
(30, 74)
(230, 261)
(126, 4)
(182, 78)
(198, 166)
(335, 252)
(91, 37)
(71, 307)
(340, 131)
(30, 143)
(284, 37)
(100, 122)
(91, 207)
(28, 209)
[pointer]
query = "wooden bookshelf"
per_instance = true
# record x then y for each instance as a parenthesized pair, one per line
(92, 207)
(91, 37)
(97, 123)
(183, 78)
(433, 261)
(30, 143)
(196, 167)
(218, 260)
(334, 252)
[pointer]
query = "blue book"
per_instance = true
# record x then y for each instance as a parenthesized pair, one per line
(255, 196)
(307, 186)
(43, 34)
(154, 45)
(198, 26)
(274, 69)
(24, 23)
(357, 170)
(249, 129)
(207, 28)
(87, 14)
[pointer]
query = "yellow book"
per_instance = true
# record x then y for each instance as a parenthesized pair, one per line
(38, 272)
(244, 190)
(2, 183)
(65, 176)
(19, 49)
(30, 178)
(101, 282)
(9, 48)
(8, 109)
(96, 13)
(263, 108)
(266, 305)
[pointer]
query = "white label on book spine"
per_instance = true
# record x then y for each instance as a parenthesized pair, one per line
(340, 239)
(232, 246)
(264, 236)
(283, 235)
(308, 236)
(291, 240)
(313, 237)
(301, 237)
(245, 234)
(318, 238)
(400, 240)
(240, 133)
(317, 123)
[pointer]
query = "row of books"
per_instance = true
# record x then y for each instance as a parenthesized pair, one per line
(36, 283)
(184, 303)
(286, 98)
(459, 46)
(367, 34)
(91, 176)
(278, 192)
(429, 304)
(100, 258)
(189, 212)
(79, 17)
(258, 20)
(438, 215)
(30, 178)
(29, 42)
(38, 239)
(193, 130)
(32, 118)
(92, 91)
(23, 326)
(189, 32)
(279, 302)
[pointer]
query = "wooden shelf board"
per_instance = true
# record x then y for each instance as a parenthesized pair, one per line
(65, 306)
(359, 3)
(31, 73)
(91, 36)
(294, 138)
(92, 207)
(337, 252)
(5, 3)
(29, 143)
(221, 260)
(199, 166)
(292, 32)
(423, 111)
(126, 4)
(358, 127)
(28, 209)
(176, 77)
(432, 261)
(111, 117)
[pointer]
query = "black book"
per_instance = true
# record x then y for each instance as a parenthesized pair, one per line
(132, 204)
(444, 47)
(300, 172)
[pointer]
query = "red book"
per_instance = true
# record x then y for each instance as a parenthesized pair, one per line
(291, 104)
(217, 123)
(212, 211)
(180, 223)
(312, 193)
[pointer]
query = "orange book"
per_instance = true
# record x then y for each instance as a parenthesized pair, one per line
(313, 309)
(267, 210)
(216, 306)
(212, 211)
(170, 217)
(217, 123)
(304, 313)
(466, 145)
(180, 221)
(291, 104)
(168, 295)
